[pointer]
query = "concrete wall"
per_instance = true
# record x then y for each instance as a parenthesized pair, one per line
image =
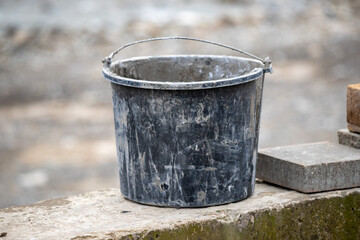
(271, 213)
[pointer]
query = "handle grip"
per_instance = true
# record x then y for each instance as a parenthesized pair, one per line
(108, 60)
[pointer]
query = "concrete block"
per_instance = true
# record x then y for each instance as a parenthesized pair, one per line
(353, 107)
(348, 138)
(313, 167)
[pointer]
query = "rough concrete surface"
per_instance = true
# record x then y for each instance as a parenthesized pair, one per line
(310, 167)
(348, 138)
(353, 107)
(106, 215)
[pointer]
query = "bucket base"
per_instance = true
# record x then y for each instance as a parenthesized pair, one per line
(175, 205)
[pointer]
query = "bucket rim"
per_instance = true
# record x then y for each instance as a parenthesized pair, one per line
(146, 84)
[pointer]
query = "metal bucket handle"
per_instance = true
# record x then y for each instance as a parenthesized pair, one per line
(267, 62)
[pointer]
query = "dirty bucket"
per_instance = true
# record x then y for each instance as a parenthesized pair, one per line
(186, 126)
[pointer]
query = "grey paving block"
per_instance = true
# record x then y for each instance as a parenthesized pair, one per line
(349, 138)
(313, 167)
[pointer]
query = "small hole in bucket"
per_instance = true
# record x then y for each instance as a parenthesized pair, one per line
(164, 186)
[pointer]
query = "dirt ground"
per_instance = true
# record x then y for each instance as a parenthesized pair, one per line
(56, 122)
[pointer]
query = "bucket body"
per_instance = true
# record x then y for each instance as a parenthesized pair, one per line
(186, 128)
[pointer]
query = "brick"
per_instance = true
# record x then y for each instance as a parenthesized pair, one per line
(348, 138)
(308, 168)
(353, 107)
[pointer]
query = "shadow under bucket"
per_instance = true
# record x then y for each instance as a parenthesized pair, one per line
(186, 126)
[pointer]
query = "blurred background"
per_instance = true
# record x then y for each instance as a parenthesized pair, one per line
(56, 121)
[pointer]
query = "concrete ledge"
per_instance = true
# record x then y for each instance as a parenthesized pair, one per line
(271, 213)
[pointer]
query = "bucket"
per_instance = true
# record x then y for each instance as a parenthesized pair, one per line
(186, 126)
